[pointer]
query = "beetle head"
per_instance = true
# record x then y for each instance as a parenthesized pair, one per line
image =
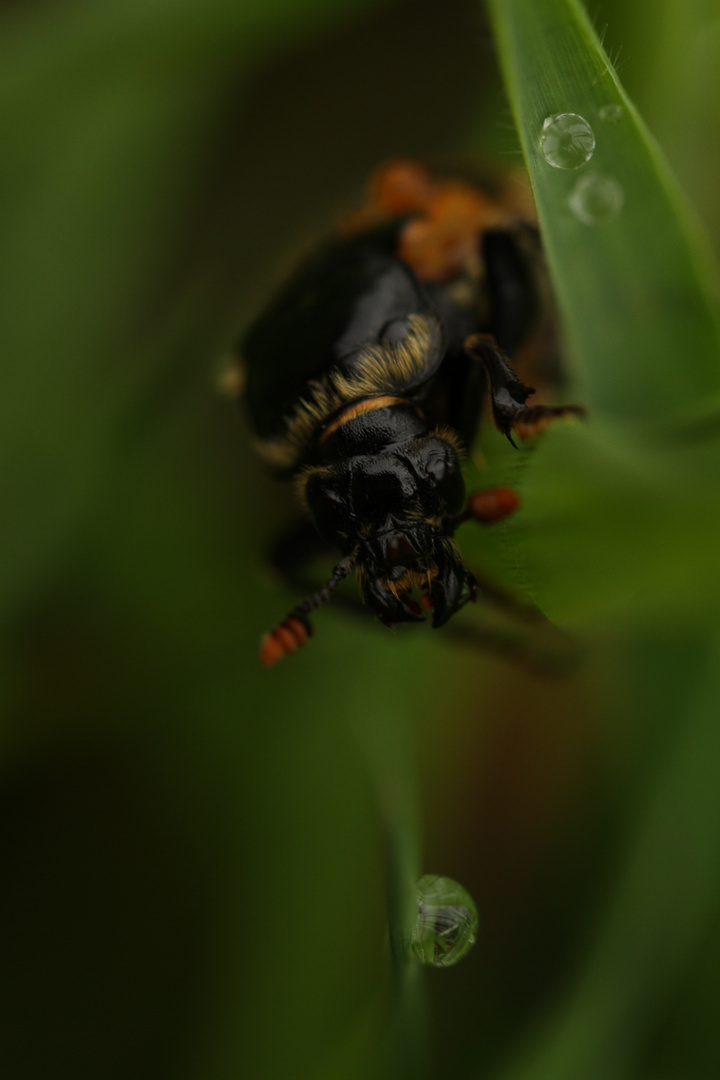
(392, 511)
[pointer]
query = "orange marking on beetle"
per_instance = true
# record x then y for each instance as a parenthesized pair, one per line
(400, 187)
(444, 242)
(449, 215)
(359, 408)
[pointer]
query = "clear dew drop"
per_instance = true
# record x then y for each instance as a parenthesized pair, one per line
(611, 112)
(596, 199)
(447, 921)
(567, 141)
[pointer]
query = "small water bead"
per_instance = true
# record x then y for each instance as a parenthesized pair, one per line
(596, 199)
(567, 141)
(611, 112)
(447, 922)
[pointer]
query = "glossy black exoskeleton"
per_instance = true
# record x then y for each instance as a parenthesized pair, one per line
(365, 378)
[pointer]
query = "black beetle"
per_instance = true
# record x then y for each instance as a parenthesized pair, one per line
(364, 381)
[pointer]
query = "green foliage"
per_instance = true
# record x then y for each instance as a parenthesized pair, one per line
(623, 515)
(199, 856)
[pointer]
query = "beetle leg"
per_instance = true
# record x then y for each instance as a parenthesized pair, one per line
(509, 394)
(511, 285)
(486, 506)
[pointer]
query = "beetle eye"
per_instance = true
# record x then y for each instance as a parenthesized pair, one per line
(439, 463)
(328, 507)
(327, 510)
(437, 467)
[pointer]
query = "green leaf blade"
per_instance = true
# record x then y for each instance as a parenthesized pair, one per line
(638, 302)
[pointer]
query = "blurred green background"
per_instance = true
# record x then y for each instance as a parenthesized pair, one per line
(197, 856)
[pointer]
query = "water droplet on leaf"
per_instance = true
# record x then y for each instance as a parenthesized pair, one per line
(567, 141)
(596, 199)
(447, 922)
(611, 112)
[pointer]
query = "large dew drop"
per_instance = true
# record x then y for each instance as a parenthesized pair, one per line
(447, 922)
(596, 199)
(567, 141)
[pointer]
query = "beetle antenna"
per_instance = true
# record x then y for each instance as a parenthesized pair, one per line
(295, 628)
